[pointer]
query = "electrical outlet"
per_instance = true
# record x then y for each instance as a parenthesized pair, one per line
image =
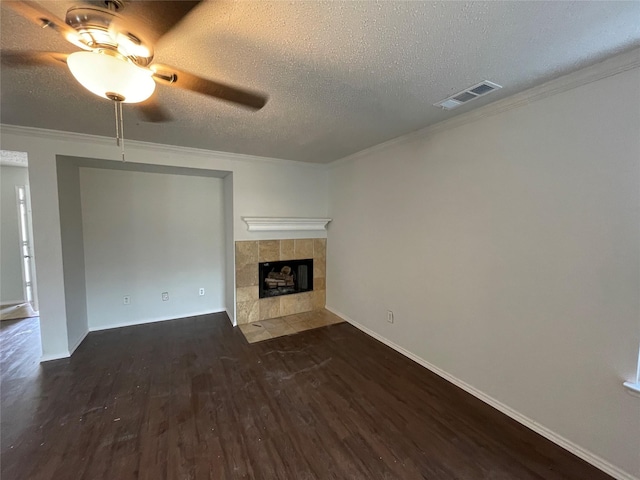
(201, 292)
(126, 299)
(389, 316)
(165, 296)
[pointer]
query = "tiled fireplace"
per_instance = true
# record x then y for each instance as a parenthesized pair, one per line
(251, 308)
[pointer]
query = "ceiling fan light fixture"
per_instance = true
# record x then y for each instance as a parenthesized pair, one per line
(103, 73)
(128, 43)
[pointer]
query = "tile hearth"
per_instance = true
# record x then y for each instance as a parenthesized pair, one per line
(289, 325)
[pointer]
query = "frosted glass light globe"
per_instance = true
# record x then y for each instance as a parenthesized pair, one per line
(101, 74)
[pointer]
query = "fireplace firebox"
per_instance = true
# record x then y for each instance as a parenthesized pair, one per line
(285, 277)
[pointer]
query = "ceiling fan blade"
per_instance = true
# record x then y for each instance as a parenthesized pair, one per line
(155, 17)
(176, 78)
(43, 18)
(32, 58)
(151, 111)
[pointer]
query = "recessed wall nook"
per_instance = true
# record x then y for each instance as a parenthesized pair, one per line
(301, 266)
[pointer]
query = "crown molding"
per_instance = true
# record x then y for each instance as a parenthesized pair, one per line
(605, 69)
(54, 135)
(58, 135)
(285, 224)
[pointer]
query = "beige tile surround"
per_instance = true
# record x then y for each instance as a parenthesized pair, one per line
(250, 308)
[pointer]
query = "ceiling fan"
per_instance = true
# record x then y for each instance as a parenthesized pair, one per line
(117, 48)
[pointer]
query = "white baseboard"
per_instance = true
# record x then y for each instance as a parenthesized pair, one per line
(151, 320)
(231, 319)
(577, 450)
(7, 303)
(73, 347)
(54, 356)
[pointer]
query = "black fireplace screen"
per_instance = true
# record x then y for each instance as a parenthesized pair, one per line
(286, 277)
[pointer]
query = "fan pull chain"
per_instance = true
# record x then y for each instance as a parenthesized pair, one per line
(121, 129)
(119, 126)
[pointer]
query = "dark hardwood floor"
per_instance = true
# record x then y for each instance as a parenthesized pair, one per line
(191, 399)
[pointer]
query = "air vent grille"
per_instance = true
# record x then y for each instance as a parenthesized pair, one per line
(467, 95)
(464, 97)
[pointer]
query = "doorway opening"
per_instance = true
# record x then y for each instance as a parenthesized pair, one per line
(19, 293)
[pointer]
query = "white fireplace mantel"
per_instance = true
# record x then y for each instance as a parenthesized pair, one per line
(284, 224)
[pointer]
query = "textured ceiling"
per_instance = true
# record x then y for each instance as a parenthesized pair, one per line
(13, 159)
(341, 76)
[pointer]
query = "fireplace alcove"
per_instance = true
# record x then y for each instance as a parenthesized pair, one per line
(285, 277)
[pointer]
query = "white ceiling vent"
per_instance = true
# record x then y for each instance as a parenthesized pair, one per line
(467, 95)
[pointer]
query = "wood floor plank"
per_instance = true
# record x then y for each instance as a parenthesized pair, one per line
(191, 399)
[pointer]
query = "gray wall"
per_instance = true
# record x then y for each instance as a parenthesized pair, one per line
(147, 233)
(72, 250)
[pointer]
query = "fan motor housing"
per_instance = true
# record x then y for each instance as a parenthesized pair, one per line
(103, 29)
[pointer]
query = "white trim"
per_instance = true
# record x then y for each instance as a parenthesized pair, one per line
(58, 135)
(153, 320)
(285, 224)
(577, 450)
(58, 356)
(74, 347)
(10, 303)
(632, 388)
(232, 321)
(29, 241)
(607, 68)
(54, 356)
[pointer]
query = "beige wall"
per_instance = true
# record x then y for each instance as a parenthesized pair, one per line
(249, 307)
(511, 252)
